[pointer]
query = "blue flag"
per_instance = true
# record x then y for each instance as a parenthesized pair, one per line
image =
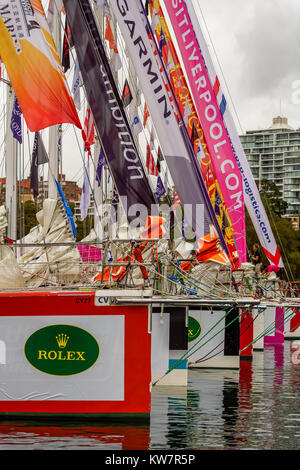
(160, 189)
(15, 123)
(100, 165)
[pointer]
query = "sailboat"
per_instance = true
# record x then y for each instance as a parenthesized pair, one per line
(87, 328)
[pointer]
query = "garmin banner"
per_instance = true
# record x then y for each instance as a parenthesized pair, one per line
(174, 140)
(108, 113)
(251, 194)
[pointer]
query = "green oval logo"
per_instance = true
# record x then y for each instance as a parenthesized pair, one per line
(61, 350)
(194, 329)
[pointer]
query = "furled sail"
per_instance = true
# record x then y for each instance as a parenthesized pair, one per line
(174, 140)
(251, 194)
(33, 66)
(218, 141)
(109, 116)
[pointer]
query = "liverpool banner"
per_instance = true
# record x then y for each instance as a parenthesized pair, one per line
(251, 194)
(33, 66)
(108, 113)
(225, 165)
(174, 140)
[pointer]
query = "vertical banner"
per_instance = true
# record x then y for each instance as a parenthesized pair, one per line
(195, 131)
(218, 142)
(174, 140)
(108, 113)
(251, 194)
(33, 66)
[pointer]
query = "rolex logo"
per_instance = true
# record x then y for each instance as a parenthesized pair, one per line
(62, 340)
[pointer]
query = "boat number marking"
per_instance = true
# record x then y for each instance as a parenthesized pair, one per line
(101, 301)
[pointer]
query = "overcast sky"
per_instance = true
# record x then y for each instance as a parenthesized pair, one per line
(258, 46)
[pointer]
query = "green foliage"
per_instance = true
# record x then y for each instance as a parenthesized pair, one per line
(272, 198)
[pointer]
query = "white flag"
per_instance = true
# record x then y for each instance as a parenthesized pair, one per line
(136, 125)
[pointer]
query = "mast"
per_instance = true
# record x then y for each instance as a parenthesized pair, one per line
(11, 151)
(54, 131)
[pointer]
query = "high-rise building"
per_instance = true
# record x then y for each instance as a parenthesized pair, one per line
(274, 154)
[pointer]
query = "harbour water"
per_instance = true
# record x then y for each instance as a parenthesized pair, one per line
(254, 408)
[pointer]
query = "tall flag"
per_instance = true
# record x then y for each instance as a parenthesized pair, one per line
(76, 86)
(122, 156)
(219, 145)
(252, 197)
(33, 66)
(150, 163)
(39, 157)
(160, 189)
(177, 150)
(16, 121)
(66, 48)
(88, 133)
(101, 163)
(126, 95)
(85, 199)
(190, 117)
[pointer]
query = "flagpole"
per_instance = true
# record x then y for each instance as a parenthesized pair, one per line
(11, 150)
(54, 131)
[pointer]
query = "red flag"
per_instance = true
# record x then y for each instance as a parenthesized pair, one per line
(150, 163)
(109, 36)
(146, 114)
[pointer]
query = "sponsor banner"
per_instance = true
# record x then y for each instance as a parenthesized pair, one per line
(177, 150)
(64, 358)
(108, 113)
(225, 165)
(251, 194)
(33, 65)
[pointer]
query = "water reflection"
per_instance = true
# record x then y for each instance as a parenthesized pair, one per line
(256, 407)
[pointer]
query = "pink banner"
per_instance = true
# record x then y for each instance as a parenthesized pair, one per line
(219, 146)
